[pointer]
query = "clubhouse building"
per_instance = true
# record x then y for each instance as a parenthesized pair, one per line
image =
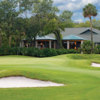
(72, 38)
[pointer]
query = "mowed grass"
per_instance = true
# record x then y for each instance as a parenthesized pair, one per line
(82, 81)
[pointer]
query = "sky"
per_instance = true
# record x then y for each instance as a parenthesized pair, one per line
(76, 6)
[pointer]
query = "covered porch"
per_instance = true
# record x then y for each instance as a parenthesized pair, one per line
(45, 42)
(72, 42)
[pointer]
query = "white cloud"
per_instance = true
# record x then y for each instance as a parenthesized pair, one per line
(73, 4)
(76, 7)
(78, 20)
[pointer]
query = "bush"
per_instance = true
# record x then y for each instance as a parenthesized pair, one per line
(49, 52)
(35, 52)
(86, 47)
(97, 49)
(65, 51)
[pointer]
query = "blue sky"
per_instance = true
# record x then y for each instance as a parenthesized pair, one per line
(76, 7)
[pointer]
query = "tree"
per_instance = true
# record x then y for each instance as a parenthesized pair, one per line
(82, 24)
(57, 24)
(20, 26)
(46, 12)
(34, 29)
(49, 22)
(65, 17)
(96, 24)
(25, 6)
(8, 16)
(86, 47)
(89, 11)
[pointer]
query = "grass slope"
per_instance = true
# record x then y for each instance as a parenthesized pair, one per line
(82, 82)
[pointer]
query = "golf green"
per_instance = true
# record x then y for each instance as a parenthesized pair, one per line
(81, 80)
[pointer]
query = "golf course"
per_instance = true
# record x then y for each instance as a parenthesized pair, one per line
(81, 80)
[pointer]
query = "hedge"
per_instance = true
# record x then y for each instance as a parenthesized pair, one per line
(35, 52)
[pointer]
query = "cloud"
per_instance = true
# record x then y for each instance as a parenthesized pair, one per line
(73, 4)
(76, 7)
(78, 20)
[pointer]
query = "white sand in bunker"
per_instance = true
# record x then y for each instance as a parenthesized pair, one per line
(18, 82)
(95, 65)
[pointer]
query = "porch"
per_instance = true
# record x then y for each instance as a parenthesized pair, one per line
(45, 44)
(72, 44)
(68, 42)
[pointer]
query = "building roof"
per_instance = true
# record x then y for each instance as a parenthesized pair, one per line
(84, 33)
(72, 37)
(45, 38)
(75, 34)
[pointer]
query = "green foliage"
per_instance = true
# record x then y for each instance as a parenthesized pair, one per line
(89, 10)
(64, 51)
(66, 15)
(86, 47)
(97, 49)
(15, 25)
(96, 24)
(35, 52)
(83, 24)
(83, 56)
(7, 17)
(49, 52)
(43, 7)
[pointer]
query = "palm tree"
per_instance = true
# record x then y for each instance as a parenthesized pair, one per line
(89, 11)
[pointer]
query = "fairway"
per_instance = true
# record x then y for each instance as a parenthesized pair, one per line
(81, 80)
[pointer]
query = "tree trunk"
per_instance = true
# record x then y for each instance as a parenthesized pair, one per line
(10, 38)
(20, 41)
(59, 40)
(92, 48)
(34, 42)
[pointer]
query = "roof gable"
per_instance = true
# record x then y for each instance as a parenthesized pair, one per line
(88, 31)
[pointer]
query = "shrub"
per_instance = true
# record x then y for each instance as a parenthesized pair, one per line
(49, 52)
(65, 51)
(86, 47)
(35, 52)
(97, 49)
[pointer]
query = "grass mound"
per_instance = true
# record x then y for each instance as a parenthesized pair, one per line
(84, 56)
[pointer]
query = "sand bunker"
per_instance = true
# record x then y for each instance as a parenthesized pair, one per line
(95, 65)
(18, 82)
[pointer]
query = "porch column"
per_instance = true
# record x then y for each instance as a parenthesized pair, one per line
(22, 44)
(67, 44)
(82, 42)
(75, 45)
(96, 44)
(81, 46)
(50, 44)
(36, 44)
